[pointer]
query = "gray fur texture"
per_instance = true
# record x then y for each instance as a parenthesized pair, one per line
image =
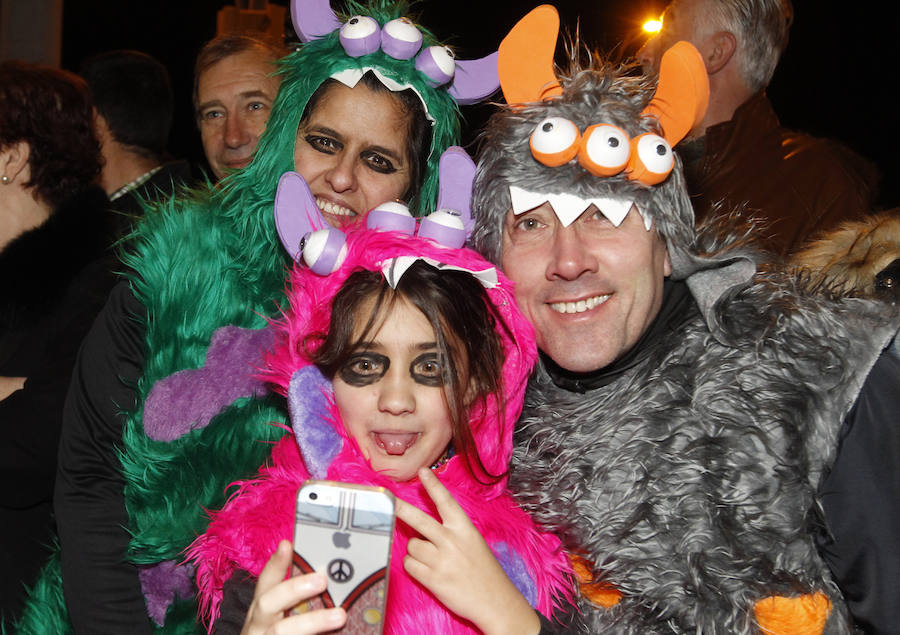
(690, 481)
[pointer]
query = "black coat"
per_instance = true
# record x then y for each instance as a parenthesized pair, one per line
(53, 281)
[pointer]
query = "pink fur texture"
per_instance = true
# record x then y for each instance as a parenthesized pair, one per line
(243, 535)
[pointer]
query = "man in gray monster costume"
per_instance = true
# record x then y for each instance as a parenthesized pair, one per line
(716, 443)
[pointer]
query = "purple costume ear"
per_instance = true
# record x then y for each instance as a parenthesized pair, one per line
(313, 19)
(309, 397)
(296, 213)
(456, 174)
(475, 80)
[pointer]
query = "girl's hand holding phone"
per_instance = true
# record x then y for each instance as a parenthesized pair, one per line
(274, 595)
(454, 562)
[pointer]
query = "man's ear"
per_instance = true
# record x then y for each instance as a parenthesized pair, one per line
(101, 128)
(719, 50)
(14, 161)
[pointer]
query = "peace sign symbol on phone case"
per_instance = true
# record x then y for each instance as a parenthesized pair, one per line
(340, 570)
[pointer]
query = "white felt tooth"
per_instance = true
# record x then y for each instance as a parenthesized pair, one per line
(523, 200)
(568, 207)
(348, 77)
(614, 209)
(647, 220)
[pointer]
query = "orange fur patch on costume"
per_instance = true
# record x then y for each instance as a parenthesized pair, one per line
(600, 593)
(801, 615)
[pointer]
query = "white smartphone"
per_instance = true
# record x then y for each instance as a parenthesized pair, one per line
(345, 531)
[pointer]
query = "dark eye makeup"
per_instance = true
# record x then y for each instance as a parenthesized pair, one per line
(379, 162)
(326, 145)
(376, 160)
(364, 369)
(427, 370)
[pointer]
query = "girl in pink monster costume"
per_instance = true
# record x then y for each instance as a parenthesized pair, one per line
(260, 514)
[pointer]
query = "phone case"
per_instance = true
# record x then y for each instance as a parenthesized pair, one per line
(345, 531)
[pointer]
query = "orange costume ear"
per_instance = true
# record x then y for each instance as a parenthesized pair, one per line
(682, 93)
(525, 58)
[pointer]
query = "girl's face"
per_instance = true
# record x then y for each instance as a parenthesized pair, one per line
(352, 151)
(390, 394)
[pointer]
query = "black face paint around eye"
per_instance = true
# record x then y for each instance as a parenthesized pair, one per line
(427, 370)
(364, 369)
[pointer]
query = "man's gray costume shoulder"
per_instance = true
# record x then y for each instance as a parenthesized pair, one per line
(690, 480)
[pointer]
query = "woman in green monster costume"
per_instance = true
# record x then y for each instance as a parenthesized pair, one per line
(364, 118)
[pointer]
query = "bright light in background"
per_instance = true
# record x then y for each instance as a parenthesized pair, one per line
(652, 26)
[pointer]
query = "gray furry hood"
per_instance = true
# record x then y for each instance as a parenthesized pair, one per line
(600, 93)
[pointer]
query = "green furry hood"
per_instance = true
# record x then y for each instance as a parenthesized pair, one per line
(302, 73)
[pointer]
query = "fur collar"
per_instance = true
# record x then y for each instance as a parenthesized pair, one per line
(38, 264)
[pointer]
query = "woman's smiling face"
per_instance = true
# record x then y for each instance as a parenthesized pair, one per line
(352, 151)
(390, 394)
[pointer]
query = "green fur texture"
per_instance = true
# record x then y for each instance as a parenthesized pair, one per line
(46, 610)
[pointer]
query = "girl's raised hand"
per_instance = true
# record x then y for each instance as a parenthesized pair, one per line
(274, 595)
(454, 562)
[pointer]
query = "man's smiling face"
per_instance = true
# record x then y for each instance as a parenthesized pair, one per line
(590, 289)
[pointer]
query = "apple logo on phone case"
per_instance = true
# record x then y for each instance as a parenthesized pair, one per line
(341, 540)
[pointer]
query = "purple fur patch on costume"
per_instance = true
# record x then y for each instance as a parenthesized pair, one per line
(189, 399)
(516, 571)
(162, 583)
(309, 406)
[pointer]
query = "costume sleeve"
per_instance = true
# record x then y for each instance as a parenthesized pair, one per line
(102, 591)
(237, 595)
(548, 627)
(861, 499)
(33, 414)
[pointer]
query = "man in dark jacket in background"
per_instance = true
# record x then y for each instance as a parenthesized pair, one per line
(739, 157)
(133, 105)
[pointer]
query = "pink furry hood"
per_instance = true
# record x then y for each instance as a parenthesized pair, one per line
(243, 535)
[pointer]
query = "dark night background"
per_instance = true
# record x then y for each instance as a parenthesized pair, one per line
(836, 78)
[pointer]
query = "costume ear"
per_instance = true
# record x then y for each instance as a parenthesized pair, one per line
(525, 60)
(313, 19)
(309, 404)
(682, 93)
(475, 80)
(296, 213)
(456, 174)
